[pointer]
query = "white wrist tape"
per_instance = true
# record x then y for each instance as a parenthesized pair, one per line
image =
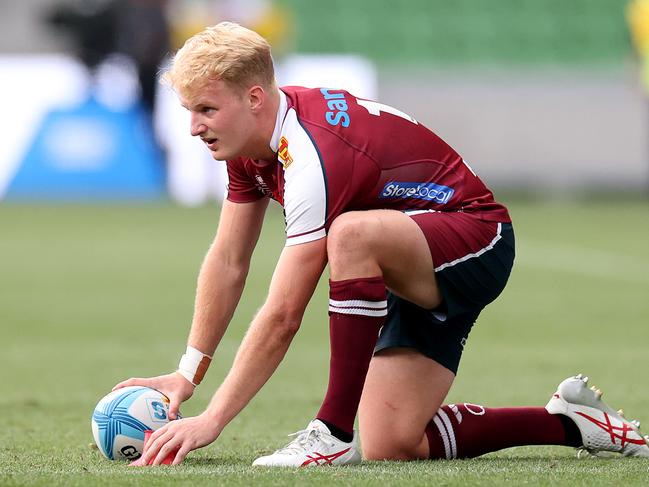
(193, 365)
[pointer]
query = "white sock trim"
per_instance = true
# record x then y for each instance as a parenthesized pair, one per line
(358, 303)
(359, 307)
(451, 434)
(359, 311)
(444, 435)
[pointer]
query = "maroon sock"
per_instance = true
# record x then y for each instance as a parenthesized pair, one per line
(468, 430)
(357, 310)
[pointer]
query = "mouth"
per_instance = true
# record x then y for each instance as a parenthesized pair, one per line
(210, 143)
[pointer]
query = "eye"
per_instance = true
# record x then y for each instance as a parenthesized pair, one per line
(207, 109)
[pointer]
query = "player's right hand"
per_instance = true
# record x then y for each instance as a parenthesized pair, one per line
(174, 386)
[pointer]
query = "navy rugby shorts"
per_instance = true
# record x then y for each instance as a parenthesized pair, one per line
(473, 259)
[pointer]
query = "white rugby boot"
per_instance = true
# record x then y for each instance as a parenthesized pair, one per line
(313, 447)
(602, 429)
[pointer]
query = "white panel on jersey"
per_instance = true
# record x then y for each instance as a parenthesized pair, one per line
(305, 192)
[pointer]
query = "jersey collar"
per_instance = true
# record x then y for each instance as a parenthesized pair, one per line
(279, 121)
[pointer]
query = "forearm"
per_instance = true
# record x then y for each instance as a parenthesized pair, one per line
(261, 351)
(219, 288)
(223, 272)
(264, 346)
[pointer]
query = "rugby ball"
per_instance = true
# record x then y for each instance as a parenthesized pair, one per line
(121, 418)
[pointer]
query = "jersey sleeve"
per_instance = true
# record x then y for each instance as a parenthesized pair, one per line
(305, 187)
(241, 187)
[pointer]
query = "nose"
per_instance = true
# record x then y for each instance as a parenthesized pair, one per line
(196, 126)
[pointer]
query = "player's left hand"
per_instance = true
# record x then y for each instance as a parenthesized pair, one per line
(180, 436)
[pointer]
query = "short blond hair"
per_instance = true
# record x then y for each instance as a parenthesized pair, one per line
(227, 52)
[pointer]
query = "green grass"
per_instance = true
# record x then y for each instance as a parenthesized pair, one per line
(92, 295)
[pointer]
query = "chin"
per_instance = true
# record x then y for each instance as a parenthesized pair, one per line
(221, 155)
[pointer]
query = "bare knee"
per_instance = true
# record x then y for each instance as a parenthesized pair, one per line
(349, 233)
(402, 390)
(350, 246)
(387, 436)
(391, 445)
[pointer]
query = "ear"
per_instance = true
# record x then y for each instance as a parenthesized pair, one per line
(256, 98)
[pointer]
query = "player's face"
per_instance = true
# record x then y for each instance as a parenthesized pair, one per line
(221, 117)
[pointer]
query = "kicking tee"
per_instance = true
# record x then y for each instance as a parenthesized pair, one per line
(338, 153)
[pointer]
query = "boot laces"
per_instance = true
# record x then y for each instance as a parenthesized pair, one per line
(304, 440)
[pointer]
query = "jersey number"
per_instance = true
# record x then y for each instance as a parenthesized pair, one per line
(375, 108)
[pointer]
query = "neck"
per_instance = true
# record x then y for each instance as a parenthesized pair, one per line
(267, 126)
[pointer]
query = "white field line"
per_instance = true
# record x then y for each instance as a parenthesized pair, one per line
(589, 263)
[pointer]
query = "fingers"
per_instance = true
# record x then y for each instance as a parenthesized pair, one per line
(162, 447)
(181, 454)
(137, 463)
(171, 443)
(167, 450)
(133, 381)
(174, 405)
(155, 443)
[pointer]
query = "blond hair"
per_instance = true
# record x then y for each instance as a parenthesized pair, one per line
(227, 52)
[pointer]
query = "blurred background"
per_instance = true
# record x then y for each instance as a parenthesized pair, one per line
(540, 96)
(107, 205)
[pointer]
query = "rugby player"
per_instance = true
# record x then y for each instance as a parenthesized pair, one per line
(416, 247)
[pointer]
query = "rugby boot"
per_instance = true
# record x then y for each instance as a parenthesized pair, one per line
(314, 446)
(602, 428)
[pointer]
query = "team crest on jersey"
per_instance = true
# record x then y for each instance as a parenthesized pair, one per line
(283, 153)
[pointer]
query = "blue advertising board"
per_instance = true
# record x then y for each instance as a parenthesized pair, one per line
(91, 152)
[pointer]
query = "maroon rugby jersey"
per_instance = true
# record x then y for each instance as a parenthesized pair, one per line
(339, 153)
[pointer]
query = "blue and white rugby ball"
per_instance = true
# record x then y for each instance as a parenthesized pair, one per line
(121, 417)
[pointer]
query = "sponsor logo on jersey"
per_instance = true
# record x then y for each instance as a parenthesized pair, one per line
(283, 153)
(337, 105)
(420, 191)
